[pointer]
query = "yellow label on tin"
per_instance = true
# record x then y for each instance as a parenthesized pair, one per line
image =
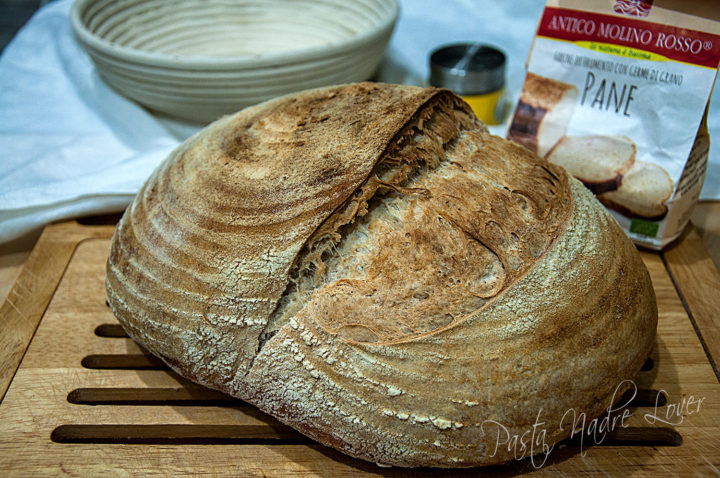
(485, 106)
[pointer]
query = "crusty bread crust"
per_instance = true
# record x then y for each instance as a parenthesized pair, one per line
(370, 266)
(202, 256)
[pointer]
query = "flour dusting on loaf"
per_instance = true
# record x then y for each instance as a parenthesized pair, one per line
(369, 265)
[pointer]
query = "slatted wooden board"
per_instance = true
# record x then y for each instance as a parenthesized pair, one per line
(80, 398)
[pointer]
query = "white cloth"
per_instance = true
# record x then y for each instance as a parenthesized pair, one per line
(71, 146)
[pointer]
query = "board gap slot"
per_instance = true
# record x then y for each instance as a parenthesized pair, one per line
(179, 434)
(644, 397)
(634, 436)
(123, 362)
(197, 396)
(648, 365)
(111, 331)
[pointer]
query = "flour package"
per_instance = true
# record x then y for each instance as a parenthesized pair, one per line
(616, 92)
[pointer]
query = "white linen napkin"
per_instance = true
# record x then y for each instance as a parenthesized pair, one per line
(70, 145)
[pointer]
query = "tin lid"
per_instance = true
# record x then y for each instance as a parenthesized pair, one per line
(468, 68)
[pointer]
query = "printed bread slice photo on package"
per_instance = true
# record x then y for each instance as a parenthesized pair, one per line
(616, 92)
(600, 162)
(543, 113)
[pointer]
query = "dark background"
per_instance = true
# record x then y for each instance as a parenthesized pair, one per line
(13, 15)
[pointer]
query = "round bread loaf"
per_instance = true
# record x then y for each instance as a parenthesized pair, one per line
(370, 266)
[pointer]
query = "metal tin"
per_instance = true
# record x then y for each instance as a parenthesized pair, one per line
(474, 71)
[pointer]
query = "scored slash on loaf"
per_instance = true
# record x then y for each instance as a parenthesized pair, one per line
(369, 265)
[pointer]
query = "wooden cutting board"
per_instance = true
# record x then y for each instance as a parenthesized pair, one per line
(80, 398)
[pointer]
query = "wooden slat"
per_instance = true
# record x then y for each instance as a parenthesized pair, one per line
(698, 282)
(13, 255)
(25, 304)
(706, 219)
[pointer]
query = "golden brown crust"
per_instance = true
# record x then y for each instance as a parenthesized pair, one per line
(466, 232)
(387, 285)
(561, 339)
(213, 233)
